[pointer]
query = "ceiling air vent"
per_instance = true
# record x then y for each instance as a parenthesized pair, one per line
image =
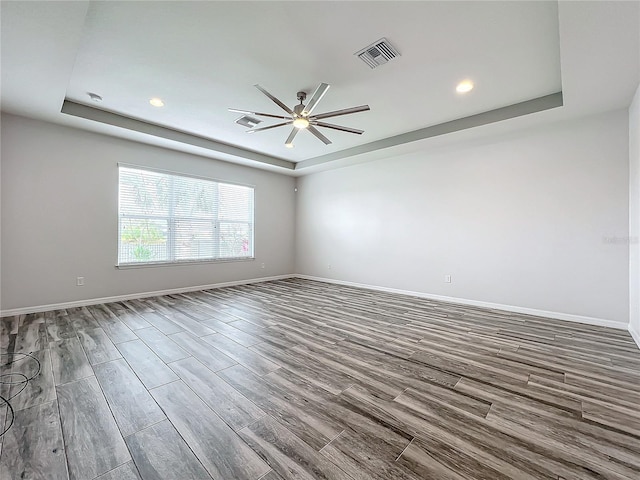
(247, 121)
(378, 53)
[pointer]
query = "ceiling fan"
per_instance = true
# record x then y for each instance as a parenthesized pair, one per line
(301, 115)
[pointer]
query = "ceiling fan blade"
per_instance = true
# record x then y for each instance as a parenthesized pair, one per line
(315, 98)
(345, 111)
(260, 114)
(315, 131)
(339, 127)
(270, 126)
(275, 100)
(291, 136)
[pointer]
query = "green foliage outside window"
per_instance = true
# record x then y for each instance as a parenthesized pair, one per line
(143, 233)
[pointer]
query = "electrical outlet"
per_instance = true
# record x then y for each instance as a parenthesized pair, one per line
(80, 281)
(447, 279)
(262, 266)
(328, 266)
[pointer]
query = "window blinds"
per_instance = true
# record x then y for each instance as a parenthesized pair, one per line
(168, 218)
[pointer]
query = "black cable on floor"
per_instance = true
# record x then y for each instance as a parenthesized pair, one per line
(25, 380)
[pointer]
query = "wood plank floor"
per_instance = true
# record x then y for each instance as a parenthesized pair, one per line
(295, 379)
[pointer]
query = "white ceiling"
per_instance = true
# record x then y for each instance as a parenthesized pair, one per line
(203, 57)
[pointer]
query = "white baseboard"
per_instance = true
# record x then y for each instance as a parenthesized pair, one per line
(130, 296)
(462, 301)
(476, 303)
(635, 335)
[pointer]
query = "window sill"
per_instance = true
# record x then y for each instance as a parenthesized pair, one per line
(126, 266)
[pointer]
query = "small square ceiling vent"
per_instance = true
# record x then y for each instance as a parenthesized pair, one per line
(247, 121)
(378, 53)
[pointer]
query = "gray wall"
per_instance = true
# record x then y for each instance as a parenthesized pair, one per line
(634, 216)
(536, 219)
(59, 216)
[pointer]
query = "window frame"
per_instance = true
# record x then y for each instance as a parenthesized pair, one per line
(171, 220)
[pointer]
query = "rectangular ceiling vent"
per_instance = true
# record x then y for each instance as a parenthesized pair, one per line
(247, 121)
(378, 53)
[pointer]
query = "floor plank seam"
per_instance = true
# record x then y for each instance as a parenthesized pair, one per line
(331, 440)
(405, 449)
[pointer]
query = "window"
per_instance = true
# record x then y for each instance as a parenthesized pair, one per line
(168, 218)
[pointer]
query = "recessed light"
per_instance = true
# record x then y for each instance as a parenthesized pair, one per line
(464, 86)
(94, 96)
(288, 145)
(156, 102)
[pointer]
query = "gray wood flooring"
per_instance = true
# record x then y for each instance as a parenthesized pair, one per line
(295, 379)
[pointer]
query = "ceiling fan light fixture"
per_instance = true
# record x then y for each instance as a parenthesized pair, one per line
(301, 123)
